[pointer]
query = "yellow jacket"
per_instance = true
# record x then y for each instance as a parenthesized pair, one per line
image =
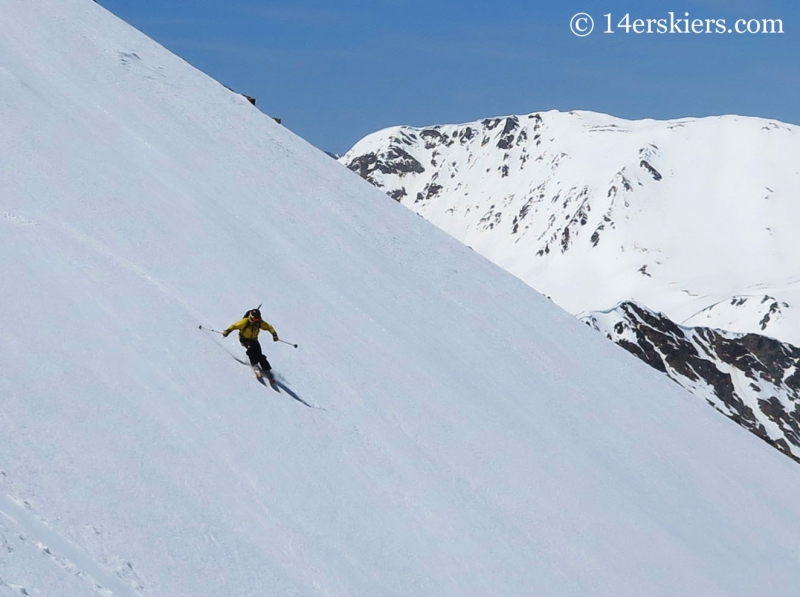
(249, 330)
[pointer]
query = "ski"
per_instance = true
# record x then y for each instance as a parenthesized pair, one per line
(261, 374)
(272, 381)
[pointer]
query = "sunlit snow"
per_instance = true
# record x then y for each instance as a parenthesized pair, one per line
(476, 439)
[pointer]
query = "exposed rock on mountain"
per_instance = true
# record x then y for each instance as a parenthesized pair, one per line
(752, 379)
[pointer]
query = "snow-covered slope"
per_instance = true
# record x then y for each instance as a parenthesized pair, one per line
(695, 218)
(476, 439)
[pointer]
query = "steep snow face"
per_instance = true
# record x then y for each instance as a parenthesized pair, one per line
(696, 218)
(476, 439)
(752, 379)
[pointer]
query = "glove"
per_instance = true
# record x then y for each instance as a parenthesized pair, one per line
(275, 337)
(225, 333)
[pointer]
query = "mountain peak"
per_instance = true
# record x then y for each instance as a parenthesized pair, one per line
(683, 214)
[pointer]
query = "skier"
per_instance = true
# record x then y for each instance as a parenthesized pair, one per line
(249, 327)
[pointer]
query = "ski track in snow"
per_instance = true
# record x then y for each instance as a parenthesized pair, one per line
(62, 552)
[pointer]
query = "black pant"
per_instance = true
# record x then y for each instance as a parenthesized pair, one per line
(254, 353)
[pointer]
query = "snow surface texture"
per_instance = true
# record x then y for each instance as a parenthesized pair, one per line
(695, 218)
(478, 440)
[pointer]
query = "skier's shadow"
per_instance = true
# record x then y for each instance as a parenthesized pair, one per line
(291, 393)
(283, 387)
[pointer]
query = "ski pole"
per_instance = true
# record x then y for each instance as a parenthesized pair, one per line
(289, 343)
(210, 330)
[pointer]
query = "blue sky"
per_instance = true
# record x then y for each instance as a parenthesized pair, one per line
(336, 71)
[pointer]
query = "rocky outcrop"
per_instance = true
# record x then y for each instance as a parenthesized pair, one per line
(752, 379)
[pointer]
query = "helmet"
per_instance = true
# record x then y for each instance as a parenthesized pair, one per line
(254, 315)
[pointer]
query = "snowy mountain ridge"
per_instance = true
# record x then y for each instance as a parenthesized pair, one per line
(476, 439)
(694, 218)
